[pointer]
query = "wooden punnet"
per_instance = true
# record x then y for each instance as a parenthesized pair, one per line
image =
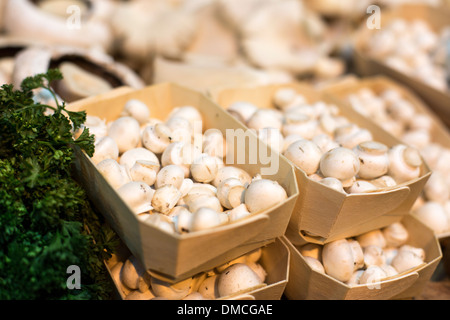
(307, 284)
(171, 256)
(322, 214)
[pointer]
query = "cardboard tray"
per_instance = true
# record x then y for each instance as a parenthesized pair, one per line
(307, 284)
(275, 259)
(322, 214)
(439, 132)
(364, 65)
(173, 257)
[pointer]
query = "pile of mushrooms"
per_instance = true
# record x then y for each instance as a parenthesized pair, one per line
(365, 259)
(398, 116)
(169, 179)
(235, 277)
(414, 48)
(326, 146)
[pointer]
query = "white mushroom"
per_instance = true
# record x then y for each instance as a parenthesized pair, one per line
(231, 172)
(242, 110)
(230, 193)
(145, 171)
(340, 163)
(129, 157)
(214, 143)
(312, 250)
(361, 186)
(404, 163)
(134, 276)
(374, 255)
(341, 258)
(237, 278)
(374, 237)
(204, 168)
(205, 218)
(406, 259)
(263, 118)
(237, 213)
(190, 113)
(433, 215)
(373, 274)
(395, 234)
(166, 198)
(204, 201)
(156, 137)
(315, 264)
(180, 153)
(182, 220)
(208, 288)
(96, 126)
(175, 291)
(180, 129)
(324, 142)
(170, 175)
(126, 132)
(350, 135)
(136, 109)
(137, 195)
(284, 97)
(436, 188)
(373, 158)
(263, 194)
(114, 173)
(105, 148)
(194, 296)
(333, 183)
(305, 154)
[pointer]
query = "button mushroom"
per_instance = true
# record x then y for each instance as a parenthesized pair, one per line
(263, 194)
(341, 258)
(237, 278)
(404, 163)
(373, 158)
(340, 163)
(305, 154)
(126, 132)
(137, 195)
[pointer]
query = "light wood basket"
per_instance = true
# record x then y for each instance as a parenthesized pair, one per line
(322, 214)
(169, 256)
(275, 259)
(307, 284)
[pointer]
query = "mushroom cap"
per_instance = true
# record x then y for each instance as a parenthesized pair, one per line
(175, 291)
(129, 157)
(404, 163)
(263, 194)
(205, 218)
(405, 260)
(126, 132)
(238, 212)
(231, 172)
(374, 237)
(105, 148)
(166, 198)
(340, 163)
(208, 288)
(374, 255)
(433, 215)
(194, 296)
(315, 264)
(230, 193)
(137, 195)
(262, 118)
(373, 274)
(242, 110)
(237, 278)
(338, 259)
(145, 171)
(305, 154)
(156, 137)
(374, 160)
(136, 109)
(114, 173)
(312, 250)
(395, 234)
(172, 174)
(134, 276)
(204, 168)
